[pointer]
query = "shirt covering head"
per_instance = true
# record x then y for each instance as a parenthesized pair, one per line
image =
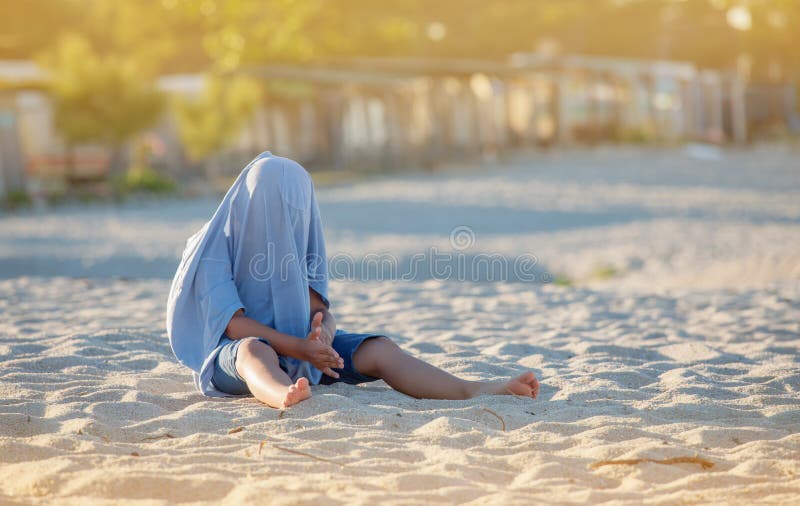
(261, 251)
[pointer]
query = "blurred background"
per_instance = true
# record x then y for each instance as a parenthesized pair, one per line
(101, 98)
(647, 142)
(604, 191)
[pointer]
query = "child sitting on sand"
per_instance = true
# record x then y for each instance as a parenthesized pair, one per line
(248, 310)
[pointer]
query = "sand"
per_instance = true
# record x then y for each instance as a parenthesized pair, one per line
(670, 346)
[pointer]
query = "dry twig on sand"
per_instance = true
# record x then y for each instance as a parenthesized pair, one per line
(162, 436)
(503, 422)
(298, 452)
(705, 464)
(235, 430)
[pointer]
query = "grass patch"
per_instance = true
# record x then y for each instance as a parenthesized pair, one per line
(16, 199)
(560, 280)
(639, 135)
(602, 272)
(144, 180)
(324, 178)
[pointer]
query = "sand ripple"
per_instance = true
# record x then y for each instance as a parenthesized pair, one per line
(102, 414)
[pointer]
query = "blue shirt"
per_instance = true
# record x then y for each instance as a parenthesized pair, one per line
(261, 251)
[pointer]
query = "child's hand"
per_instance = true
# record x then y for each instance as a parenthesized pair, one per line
(324, 334)
(321, 355)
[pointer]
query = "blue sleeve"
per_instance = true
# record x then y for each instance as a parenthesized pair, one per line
(219, 298)
(316, 259)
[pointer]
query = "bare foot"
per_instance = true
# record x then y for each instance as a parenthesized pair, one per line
(525, 384)
(297, 392)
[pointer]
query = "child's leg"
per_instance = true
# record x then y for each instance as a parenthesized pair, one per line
(257, 364)
(382, 358)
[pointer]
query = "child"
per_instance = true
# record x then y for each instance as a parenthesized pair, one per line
(248, 310)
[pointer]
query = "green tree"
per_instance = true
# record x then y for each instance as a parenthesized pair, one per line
(193, 35)
(209, 123)
(99, 99)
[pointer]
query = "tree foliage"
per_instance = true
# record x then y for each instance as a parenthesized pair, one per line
(99, 99)
(194, 35)
(691, 30)
(208, 123)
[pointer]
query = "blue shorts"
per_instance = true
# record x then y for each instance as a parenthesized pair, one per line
(226, 378)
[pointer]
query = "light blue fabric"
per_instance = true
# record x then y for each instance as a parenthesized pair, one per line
(261, 250)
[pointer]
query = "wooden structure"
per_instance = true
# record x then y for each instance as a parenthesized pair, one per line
(601, 98)
(388, 113)
(12, 163)
(378, 112)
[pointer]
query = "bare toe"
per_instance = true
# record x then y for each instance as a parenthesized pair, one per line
(297, 392)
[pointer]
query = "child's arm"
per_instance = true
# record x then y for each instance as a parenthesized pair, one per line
(311, 349)
(241, 327)
(328, 321)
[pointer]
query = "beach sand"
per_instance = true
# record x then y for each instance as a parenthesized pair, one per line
(664, 324)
